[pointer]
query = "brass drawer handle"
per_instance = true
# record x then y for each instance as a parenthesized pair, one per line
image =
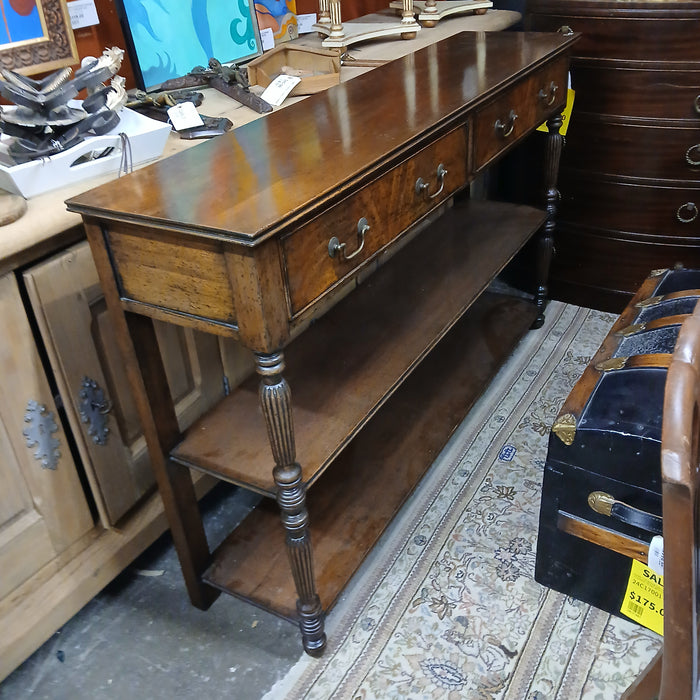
(692, 210)
(548, 97)
(422, 186)
(335, 246)
(506, 128)
(697, 104)
(688, 155)
(566, 30)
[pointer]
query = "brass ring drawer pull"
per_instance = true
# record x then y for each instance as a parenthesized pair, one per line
(336, 247)
(697, 104)
(506, 128)
(422, 186)
(689, 157)
(692, 210)
(548, 96)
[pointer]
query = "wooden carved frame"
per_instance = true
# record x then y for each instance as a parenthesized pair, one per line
(55, 49)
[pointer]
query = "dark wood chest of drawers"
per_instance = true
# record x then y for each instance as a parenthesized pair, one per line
(630, 176)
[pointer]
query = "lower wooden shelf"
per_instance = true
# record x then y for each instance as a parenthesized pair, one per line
(352, 503)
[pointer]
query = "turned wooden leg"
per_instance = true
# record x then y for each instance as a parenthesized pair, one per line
(275, 398)
(546, 241)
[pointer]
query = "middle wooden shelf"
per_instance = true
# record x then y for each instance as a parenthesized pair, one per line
(347, 364)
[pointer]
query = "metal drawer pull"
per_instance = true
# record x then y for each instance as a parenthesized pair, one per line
(692, 210)
(549, 97)
(335, 246)
(697, 104)
(422, 186)
(507, 128)
(566, 30)
(688, 155)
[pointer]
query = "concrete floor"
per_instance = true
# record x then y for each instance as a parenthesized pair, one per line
(141, 638)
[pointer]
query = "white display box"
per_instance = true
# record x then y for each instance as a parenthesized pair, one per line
(98, 155)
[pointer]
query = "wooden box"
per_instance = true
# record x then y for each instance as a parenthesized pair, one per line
(601, 493)
(318, 69)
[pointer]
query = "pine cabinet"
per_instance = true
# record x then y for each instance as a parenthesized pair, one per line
(69, 307)
(78, 499)
(44, 513)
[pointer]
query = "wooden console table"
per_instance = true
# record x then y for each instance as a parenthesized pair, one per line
(322, 237)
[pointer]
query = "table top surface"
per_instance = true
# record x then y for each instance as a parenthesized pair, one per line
(264, 176)
(47, 216)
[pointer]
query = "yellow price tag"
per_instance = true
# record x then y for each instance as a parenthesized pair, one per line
(566, 114)
(644, 597)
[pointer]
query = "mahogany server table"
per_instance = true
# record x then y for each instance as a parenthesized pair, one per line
(324, 239)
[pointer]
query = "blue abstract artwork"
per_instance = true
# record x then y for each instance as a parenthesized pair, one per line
(171, 37)
(21, 21)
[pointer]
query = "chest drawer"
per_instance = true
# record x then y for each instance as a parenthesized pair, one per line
(334, 245)
(636, 92)
(503, 121)
(631, 38)
(633, 150)
(651, 211)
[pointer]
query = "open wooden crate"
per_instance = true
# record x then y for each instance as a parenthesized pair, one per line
(318, 69)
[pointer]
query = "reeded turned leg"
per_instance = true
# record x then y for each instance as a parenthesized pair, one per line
(275, 398)
(546, 242)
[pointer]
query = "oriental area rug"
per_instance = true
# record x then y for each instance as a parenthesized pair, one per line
(446, 605)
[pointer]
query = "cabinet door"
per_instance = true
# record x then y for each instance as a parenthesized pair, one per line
(43, 510)
(73, 320)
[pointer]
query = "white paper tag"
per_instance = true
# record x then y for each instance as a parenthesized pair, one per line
(83, 13)
(305, 23)
(656, 554)
(279, 88)
(184, 116)
(267, 39)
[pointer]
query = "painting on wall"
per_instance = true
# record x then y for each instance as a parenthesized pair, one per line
(36, 36)
(168, 38)
(279, 16)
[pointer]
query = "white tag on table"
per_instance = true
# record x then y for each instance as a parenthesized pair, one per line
(305, 23)
(656, 554)
(184, 116)
(83, 13)
(267, 39)
(276, 92)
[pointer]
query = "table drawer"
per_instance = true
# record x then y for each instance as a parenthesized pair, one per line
(503, 121)
(387, 205)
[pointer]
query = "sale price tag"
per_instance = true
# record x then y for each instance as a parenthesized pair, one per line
(566, 114)
(644, 597)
